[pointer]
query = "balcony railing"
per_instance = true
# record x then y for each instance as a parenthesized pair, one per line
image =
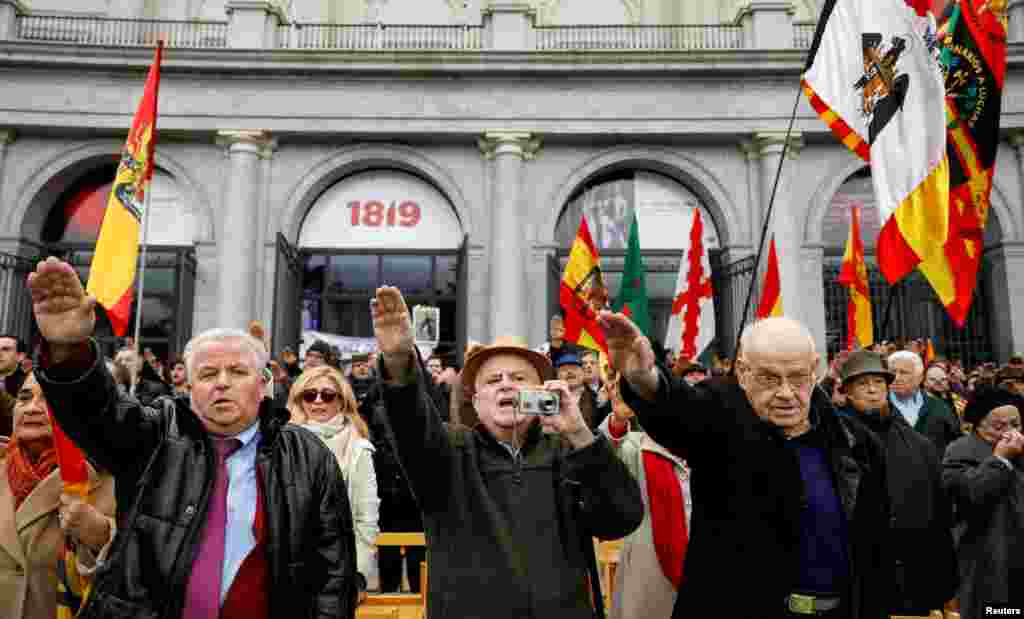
(380, 36)
(680, 37)
(803, 34)
(122, 32)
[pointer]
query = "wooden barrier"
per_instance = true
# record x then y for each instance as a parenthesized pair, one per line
(398, 605)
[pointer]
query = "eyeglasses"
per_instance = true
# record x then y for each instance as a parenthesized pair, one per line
(326, 396)
(774, 381)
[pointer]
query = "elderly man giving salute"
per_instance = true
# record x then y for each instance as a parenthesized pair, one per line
(509, 511)
(225, 510)
(790, 509)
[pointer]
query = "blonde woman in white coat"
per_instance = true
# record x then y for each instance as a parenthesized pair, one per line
(651, 563)
(322, 401)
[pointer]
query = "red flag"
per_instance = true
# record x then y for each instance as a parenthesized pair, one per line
(854, 275)
(771, 293)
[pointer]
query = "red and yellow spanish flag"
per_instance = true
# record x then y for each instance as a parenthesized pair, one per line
(974, 57)
(582, 292)
(771, 293)
(72, 587)
(854, 275)
(112, 272)
(873, 76)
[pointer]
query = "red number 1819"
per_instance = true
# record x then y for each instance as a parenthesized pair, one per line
(374, 214)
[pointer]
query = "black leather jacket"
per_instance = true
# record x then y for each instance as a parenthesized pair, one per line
(162, 460)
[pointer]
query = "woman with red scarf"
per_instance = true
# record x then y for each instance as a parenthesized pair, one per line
(651, 564)
(35, 517)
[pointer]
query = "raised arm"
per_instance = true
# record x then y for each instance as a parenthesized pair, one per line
(117, 433)
(420, 437)
(679, 417)
(975, 484)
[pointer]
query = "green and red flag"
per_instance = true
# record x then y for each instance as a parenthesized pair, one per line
(632, 299)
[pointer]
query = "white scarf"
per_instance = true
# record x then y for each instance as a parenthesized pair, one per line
(338, 433)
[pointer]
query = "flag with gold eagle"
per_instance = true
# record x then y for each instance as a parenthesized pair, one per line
(853, 274)
(583, 293)
(973, 44)
(112, 272)
(874, 77)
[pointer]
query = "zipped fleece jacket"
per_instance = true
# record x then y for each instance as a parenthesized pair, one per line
(505, 536)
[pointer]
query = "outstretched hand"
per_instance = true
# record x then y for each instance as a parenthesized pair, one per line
(393, 330)
(629, 352)
(65, 314)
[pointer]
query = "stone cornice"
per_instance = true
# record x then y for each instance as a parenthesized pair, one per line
(291, 62)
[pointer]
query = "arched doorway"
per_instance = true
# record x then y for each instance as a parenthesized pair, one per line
(914, 311)
(373, 228)
(664, 208)
(72, 227)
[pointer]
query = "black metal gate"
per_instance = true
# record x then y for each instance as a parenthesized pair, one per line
(915, 313)
(16, 309)
(287, 325)
(732, 285)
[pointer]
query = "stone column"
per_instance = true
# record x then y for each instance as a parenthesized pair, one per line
(263, 303)
(786, 225)
(508, 25)
(236, 247)
(252, 24)
(9, 12)
(751, 153)
(6, 137)
(767, 24)
(1007, 295)
(1017, 142)
(1015, 30)
(812, 263)
(510, 310)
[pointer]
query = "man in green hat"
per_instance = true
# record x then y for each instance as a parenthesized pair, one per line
(920, 541)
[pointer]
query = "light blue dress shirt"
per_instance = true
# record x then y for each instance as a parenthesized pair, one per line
(239, 539)
(909, 408)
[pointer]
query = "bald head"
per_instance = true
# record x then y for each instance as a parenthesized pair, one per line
(776, 335)
(775, 368)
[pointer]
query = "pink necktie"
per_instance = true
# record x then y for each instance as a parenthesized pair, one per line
(202, 597)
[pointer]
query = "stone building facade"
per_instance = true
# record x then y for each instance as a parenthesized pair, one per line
(299, 141)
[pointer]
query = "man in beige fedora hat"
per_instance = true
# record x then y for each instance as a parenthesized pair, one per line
(509, 511)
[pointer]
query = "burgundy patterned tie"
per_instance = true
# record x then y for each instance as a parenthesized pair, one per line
(202, 597)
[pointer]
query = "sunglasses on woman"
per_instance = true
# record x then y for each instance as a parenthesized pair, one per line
(326, 396)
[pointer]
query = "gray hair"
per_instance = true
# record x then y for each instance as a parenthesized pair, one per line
(906, 355)
(252, 345)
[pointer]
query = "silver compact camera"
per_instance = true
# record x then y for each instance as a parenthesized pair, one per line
(538, 402)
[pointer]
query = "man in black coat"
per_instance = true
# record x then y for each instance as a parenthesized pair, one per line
(225, 510)
(790, 508)
(921, 540)
(510, 511)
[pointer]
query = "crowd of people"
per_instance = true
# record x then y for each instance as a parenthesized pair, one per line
(227, 484)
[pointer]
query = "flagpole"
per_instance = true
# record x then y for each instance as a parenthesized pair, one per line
(142, 276)
(767, 219)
